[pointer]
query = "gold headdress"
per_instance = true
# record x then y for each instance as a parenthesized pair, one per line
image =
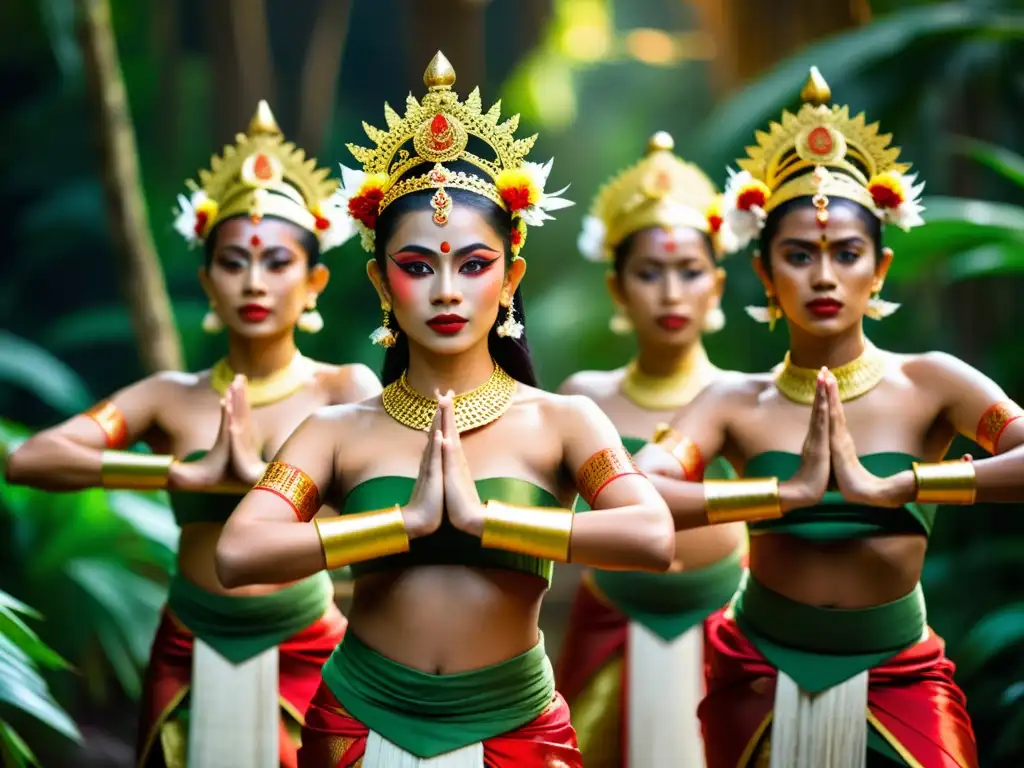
(661, 190)
(439, 130)
(819, 152)
(262, 175)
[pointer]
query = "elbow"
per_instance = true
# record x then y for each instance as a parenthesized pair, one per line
(231, 561)
(661, 546)
(14, 469)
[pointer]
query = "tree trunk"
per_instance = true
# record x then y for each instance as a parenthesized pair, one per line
(459, 32)
(750, 39)
(141, 278)
(320, 74)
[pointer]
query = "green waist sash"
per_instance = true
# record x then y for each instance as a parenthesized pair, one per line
(239, 628)
(668, 604)
(822, 647)
(429, 715)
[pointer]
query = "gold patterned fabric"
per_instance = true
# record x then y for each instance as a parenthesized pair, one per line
(994, 422)
(473, 409)
(294, 486)
(854, 379)
(602, 468)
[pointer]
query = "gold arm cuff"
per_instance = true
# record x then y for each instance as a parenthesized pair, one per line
(110, 419)
(946, 482)
(134, 471)
(741, 501)
(682, 449)
(543, 532)
(364, 536)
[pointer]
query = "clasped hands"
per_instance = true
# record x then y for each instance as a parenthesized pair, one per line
(444, 483)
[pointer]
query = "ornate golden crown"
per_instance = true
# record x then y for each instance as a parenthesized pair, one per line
(263, 175)
(819, 152)
(661, 190)
(437, 131)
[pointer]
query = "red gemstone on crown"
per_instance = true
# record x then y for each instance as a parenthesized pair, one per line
(819, 141)
(262, 168)
(439, 124)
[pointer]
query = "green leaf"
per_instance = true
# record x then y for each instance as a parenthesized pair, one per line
(986, 261)
(1003, 161)
(996, 633)
(28, 365)
(22, 688)
(14, 604)
(13, 749)
(22, 636)
(96, 325)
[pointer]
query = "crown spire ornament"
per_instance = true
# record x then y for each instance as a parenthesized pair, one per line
(816, 90)
(263, 175)
(659, 190)
(411, 156)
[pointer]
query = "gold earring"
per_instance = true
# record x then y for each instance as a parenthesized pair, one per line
(879, 308)
(619, 323)
(510, 328)
(770, 314)
(383, 336)
(211, 320)
(310, 321)
(714, 320)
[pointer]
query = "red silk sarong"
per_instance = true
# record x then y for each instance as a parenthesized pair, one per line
(169, 677)
(912, 700)
(332, 738)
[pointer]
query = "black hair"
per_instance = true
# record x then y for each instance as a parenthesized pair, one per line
(307, 240)
(871, 222)
(624, 250)
(511, 354)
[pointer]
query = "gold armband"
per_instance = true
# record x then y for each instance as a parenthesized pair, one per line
(364, 536)
(294, 486)
(543, 532)
(110, 419)
(994, 422)
(741, 501)
(683, 450)
(946, 482)
(601, 469)
(134, 471)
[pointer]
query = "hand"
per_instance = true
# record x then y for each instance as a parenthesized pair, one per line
(460, 495)
(652, 459)
(246, 462)
(807, 487)
(855, 482)
(212, 469)
(425, 509)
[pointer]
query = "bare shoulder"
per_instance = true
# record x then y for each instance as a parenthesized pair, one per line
(350, 382)
(595, 384)
(165, 386)
(566, 412)
(735, 388)
(344, 417)
(941, 373)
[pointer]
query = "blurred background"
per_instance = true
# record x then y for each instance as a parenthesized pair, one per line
(109, 105)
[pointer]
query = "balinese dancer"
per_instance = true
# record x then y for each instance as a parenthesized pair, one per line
(263, 214)
(631, 667)
(455, 505)
(825, 656)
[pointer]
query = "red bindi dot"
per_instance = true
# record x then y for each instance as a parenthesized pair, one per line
(255, 241)
(445, 247)
(670, 246)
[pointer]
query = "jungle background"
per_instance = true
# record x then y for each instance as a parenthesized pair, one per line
(109, 105)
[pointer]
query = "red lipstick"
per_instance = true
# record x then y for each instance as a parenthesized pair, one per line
(253, 313)
(673, 322)
(447, 325)
(825, 307)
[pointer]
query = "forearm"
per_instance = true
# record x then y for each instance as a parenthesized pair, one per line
(712, 502)
(267, 552)
(54, 463)
(625, 538)
(1001, 478)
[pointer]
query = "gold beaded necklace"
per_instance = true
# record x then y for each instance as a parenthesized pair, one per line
(856, 378)
(473, 409)
(667, 393)
(269, 389)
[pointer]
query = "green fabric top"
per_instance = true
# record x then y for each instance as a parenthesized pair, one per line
(429, 715)
(190, 507)
(239, 628)
(448, 545)
(835, 518)
(822, 647)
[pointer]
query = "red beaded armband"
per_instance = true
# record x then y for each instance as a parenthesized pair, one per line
(601, 469)
(294, 486)
(110, 419)
(994, 422)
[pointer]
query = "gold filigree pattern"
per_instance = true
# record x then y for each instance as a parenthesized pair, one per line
(993, 423)
(294, 486)
(473, 409)
(110, 419)
(854, 379)
(602, 468)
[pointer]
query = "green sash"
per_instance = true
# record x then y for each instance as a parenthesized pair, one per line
(429, 715)
(239, 628)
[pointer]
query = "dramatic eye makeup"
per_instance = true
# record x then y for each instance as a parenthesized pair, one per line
(416, 260)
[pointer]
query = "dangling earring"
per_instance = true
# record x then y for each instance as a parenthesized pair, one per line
(879, 308)
(383, 336)
(620, 324)
(211, 320)
(310, 321)
(510, 328)
(770, 314)
(714, 320)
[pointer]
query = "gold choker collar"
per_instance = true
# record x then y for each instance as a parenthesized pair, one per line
(473, 409)
(270, 389)
(667, 393)
(856, 378)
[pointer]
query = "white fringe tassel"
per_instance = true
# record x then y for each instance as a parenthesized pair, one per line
(820, 730)
(666, 683)
(381, 753)
(234, 711)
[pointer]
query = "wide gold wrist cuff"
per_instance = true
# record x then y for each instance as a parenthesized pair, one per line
(135, 471)
(946, 482)
(741, 501)
(365, 536)
(543, 532)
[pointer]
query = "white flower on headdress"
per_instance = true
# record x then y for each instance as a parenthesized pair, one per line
(743, 214)
(522, 189)
(334, 226)
(359, 196)
(591, 239)
(897, 199)
(193, 215)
